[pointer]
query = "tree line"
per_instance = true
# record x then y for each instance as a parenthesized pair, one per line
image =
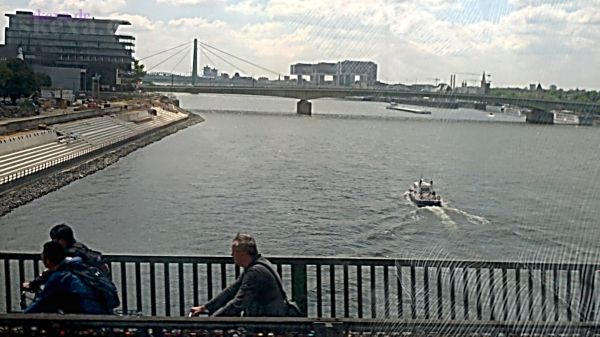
(576, 95)
(17, 80)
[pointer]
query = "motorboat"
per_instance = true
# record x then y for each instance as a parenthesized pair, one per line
(422, 194)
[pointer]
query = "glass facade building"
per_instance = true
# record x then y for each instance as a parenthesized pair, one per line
(62, 41)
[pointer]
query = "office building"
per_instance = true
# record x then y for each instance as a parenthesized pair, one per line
(71, 50)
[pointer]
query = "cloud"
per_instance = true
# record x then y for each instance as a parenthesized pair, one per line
(182, 2)
(3, 21)
(245, 7)
(196, 23)
(138, 22)
(91, 7)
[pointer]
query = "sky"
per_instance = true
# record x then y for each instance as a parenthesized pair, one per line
(516, 42)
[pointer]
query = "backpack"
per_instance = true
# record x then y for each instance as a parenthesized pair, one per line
(88, 256)
(101, 284)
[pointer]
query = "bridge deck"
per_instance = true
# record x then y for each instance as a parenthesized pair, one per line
(313, 92)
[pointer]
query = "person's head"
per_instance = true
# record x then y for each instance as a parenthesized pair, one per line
(62, 234)
(243, 249)
(52, 254)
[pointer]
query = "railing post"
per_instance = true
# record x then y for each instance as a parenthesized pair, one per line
(299, 292)
(587, 292)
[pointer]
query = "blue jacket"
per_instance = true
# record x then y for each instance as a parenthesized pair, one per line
(65, 293)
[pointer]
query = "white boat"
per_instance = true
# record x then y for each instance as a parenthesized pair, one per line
(565, 117)
(423, 194)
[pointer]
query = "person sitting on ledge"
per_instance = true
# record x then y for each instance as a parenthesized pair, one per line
(255, 293)
(63, 235)
(64, 292)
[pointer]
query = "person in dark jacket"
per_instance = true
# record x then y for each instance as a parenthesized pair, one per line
(255, 293)
(64, 292)
(63, 234)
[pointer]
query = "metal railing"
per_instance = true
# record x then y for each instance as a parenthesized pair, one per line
(351, 287)
(79, 325)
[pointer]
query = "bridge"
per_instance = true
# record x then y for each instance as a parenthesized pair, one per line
(304, 94)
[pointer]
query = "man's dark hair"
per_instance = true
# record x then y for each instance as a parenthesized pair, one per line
(246, 243)
(54, 252)
(62, 232)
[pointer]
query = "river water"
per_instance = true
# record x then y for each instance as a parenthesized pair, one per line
(334, 184)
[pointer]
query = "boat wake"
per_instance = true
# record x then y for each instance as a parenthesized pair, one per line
(408, 219)
(443, 216)
(452, 216)
(472, 218)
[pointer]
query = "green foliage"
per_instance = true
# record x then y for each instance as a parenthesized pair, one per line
(18, 80)
(576, 95)
(138, 71)
(43, 80)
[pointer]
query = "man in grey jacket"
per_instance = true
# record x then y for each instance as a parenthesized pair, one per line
(255, 293)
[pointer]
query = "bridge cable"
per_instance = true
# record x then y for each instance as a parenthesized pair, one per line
(164, 51)
(183, 55)
(241, 59)
(224, 60)
(163, 61)
(208, 57)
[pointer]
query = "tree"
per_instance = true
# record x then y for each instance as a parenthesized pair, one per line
(42, 80)
(18, 79)
(5, 75)
(138, 71)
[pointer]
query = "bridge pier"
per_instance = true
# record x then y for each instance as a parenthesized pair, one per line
(304, 107)
(538, 116)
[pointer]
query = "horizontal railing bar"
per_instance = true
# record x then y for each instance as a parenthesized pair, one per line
(362, 261)
(279, 323)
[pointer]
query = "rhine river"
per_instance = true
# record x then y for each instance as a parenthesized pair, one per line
(334, 184)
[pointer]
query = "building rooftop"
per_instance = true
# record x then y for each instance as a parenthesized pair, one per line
(23, 14)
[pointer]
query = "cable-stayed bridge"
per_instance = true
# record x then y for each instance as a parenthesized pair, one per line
(304, 93)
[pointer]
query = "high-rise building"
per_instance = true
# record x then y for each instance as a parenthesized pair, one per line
(71, 50)
(345, 73)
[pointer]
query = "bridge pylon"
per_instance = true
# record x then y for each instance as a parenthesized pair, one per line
(195, 62)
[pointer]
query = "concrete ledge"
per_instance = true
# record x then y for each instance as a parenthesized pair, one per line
(10, 126)
(24, 141)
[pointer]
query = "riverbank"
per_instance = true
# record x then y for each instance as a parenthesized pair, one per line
(78, 169)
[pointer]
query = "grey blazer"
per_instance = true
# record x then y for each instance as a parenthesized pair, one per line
(255, 293)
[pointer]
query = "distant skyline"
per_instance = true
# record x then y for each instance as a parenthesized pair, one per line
(516, 41)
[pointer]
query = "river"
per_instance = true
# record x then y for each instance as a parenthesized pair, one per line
(334, 184)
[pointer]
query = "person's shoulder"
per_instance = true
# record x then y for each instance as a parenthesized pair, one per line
(58, 277)
(262, 266)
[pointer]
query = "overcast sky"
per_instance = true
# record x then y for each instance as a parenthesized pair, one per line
(516, 41)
